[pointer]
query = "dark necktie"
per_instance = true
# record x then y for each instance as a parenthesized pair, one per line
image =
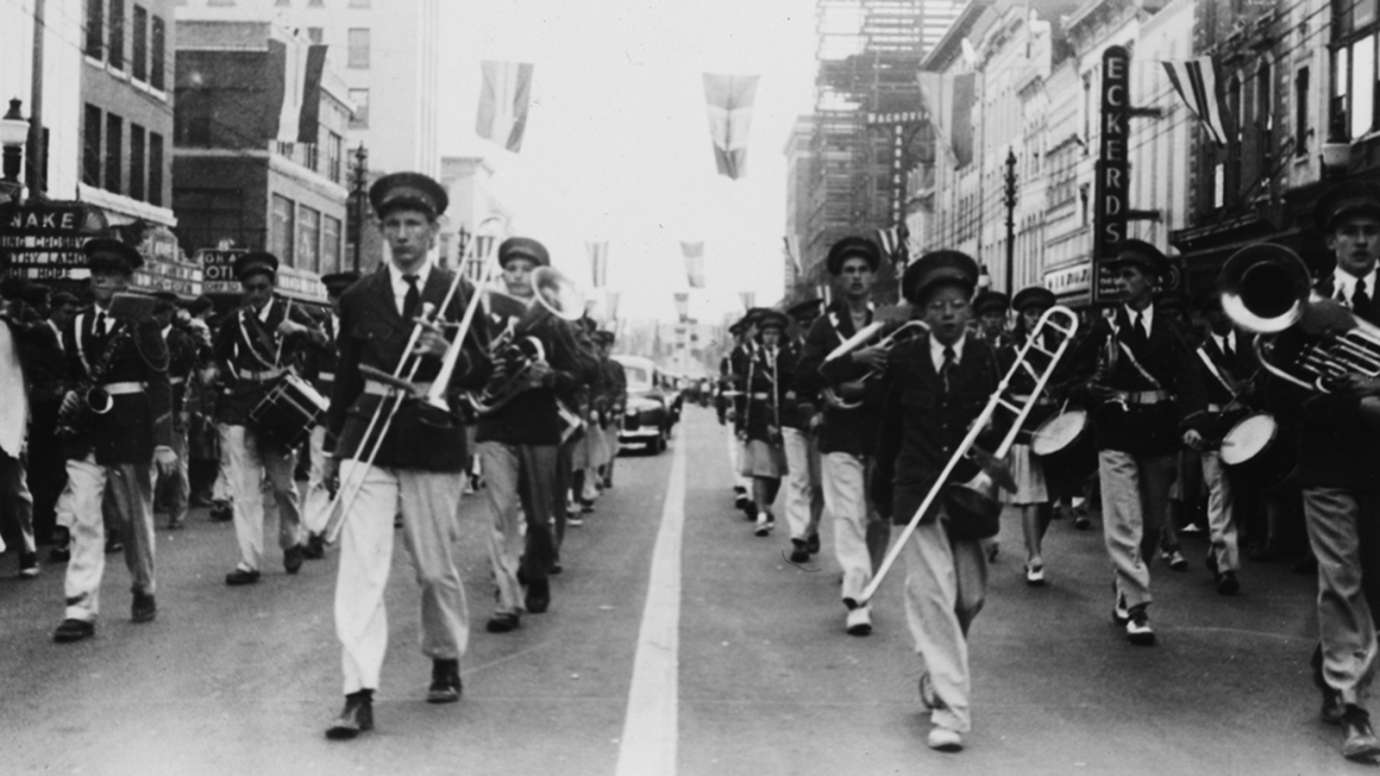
(412, 300)
(947, 368)
(1228, 351)
(1360, 300)
(1138, 330)
(100, 323)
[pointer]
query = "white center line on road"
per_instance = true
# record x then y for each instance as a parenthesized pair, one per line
(651, 727)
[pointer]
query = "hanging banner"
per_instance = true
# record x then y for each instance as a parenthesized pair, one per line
(503, 103)
(611, 298)
(729, 99)
(598, 262)
(694, 263)
(682, 306)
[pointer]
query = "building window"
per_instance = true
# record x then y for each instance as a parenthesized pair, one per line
(139, 64)
(208, 216)
(1354, 110)
(155, 169)
(282, 236)
(91, 147)
(330, 244)
(136, 161)
(159, 39)
(1301, 128)
(316, 35)
(308, 238)
(335, 146)
(360, 98)
(116, 53)
(114, 142)
(95, 27)
(358, 47)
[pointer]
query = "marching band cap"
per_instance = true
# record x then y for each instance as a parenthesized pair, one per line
(523, 248)
(991, 301)
(807, 310)
(167, 300)
(851, 246)
(104, 254)
(61, 298)
(736, 328)
(410, 190)
(337, 282)
(1141, 254)
(254, 263)
(772, 318)
(200, 305)
(1346, 198)
(36, 293)
(604, 337)
(1034, 296)
(937, 267)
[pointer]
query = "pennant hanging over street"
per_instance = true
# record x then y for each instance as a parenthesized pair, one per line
(729, 99)
(598, 262)
(1196, 82)
(296, 67)
(694, 262)
(503, 103)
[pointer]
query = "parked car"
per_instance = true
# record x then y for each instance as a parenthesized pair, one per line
(651, 410)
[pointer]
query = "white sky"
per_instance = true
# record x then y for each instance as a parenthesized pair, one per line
(617, 144)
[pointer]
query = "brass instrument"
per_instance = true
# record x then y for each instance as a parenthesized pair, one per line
(848, 396)
(92, 399)
(976, 499)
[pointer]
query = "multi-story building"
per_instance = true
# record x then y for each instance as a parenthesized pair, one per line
(467, 181)
(236, 184)
(60, 47)
(799, 159)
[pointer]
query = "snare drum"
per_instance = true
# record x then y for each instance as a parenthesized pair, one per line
(1255, 450)
(286, 415)
(1065, 446)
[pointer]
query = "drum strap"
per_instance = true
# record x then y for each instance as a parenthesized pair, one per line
(1135, 362)
(1215, 372)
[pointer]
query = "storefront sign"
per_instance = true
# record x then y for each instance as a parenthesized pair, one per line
(1112, 186)
(218, 270)
(164, 267)
(44, 240)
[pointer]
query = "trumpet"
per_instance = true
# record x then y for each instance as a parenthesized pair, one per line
(848, 396)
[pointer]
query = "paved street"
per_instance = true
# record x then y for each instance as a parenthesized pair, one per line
(243, 680)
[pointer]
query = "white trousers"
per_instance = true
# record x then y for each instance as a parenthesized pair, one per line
(79, 509)
(843, 476)
(251, 462)
(220, 489)
(802, 483)
(317, 504)
(946, 585)
(735, 462)
(430, 507)
(1221, 513)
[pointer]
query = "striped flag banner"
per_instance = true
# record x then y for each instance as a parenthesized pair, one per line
(1196, 82)
(823, 292)
(296, 68)
(504, 101)
(891, 241)
(730, 99)
(598, 251)
(694, 262)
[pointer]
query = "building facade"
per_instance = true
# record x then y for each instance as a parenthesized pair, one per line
(58, 88)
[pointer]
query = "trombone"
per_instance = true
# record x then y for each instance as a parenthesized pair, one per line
(978, 495)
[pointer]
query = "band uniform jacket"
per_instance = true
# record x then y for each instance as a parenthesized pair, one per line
(722, 400)
(374, 333)
(1371, 312)
(320, 357)
(922, 424)
(137, 422)
(532, 417)
(766, 392)
(1022, 383)
(616, 390)
(255, 353)
(1100, 362)
(844, 431)
(1231, 380)
(742, 361)
(183, 351)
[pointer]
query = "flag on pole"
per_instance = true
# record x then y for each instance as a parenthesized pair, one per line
(1196, 82)
(503, 103)
(792, 246)
(890, 240)
(611, 303)
(598, 262)
(730, 99)
(295, 68)
(682, 306)
(823, 290)
(694, 262)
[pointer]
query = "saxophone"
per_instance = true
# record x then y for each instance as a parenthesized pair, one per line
(76, 420)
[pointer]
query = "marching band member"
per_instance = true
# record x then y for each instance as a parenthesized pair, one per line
(938, 385)
(319, 368)
(256, 344)
(991, 308)
(804, 497)
(112, 455)
(1137, 371)
(847, 436)
(764, 394)
(518, 445)
(419, 462)
(616, 402)
(740, 358)
(182, 359)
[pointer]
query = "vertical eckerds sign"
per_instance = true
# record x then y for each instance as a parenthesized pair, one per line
(1111, 207)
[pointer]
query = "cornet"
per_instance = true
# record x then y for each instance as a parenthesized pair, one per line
(848, 396)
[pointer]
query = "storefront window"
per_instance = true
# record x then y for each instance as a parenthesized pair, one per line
(282, 237)
(308, 238)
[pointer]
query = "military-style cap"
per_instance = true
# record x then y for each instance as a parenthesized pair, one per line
(1034, 296)
(523, 248)
(738, 327)
(337, 282)
(1347, 198)
(104, 254)
(604, 337)
(937, 267)
(1141, 254)
(851, 246)
(806, 311)
(991, 302)
(167, 300)
(255, 263)
(36, 293)
(62, 298)
(770, 318)
(409, 190)
(200, 305)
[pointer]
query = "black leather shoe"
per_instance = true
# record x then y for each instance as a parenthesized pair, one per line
(315, 548)
(1227, 583)
(445, 682)
(241, 577)
(502, 623)
(357, 717)
(74, 630)
(221, 512)
(800, 553)
(1360, 743)
(812, 544)
(144, 608)
(292, 559)
(538, 597)
(60, 554)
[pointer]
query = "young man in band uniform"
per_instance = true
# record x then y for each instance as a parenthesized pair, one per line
(417, 470)
(804, 497)
(319, 368)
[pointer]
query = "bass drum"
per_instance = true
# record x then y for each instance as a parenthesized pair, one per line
(1066, 449)
(1254, 449)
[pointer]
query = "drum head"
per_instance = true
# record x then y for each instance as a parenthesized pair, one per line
(1059, 432)
(1248, 438)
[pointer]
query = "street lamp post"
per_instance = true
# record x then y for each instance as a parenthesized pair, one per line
(359, 178)
(1010, 200)
(14, 132)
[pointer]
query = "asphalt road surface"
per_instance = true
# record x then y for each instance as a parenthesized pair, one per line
(676, 643)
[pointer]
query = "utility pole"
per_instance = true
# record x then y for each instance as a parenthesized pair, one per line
(38, 187)
(1010, 200)
(359, 176)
